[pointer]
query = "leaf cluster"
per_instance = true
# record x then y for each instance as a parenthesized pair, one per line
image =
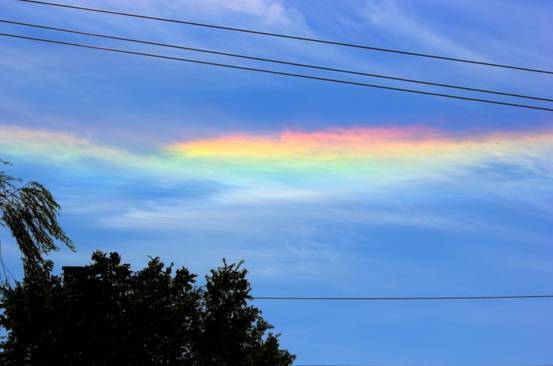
(30, 212)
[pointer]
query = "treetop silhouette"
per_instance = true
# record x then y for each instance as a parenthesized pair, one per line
(106, 314)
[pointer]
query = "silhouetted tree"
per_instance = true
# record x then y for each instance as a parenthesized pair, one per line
(238, 327)
(105, 314)
(30, 212)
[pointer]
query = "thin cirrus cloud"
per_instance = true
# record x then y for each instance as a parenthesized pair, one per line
(397, 19)
(354, 159)
(361, 155)
(302, 186)
(270, 11)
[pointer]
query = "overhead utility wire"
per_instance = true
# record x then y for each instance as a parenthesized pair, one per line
(334, 364)
(288, 36)
(263, 59)
(331, 364)
(373, 364)
(403, 298)
(356, 364)
(273, 72)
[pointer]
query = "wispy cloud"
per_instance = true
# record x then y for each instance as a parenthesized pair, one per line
(272, 12)
(399, 18)
(293, 159)
(254, 183)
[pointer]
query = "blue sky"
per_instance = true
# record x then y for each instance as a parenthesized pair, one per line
(95, 128)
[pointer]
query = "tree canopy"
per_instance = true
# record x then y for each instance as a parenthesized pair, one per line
(105, 314)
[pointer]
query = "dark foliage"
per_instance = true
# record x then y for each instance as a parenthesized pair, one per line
(30, 212)
(105, 314)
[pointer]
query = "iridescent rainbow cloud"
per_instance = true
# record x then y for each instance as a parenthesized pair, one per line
(347, 155)
(356, 154)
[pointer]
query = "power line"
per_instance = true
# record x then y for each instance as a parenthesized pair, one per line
(349, 364)
(281, 73)
(283, 62)
(356, 364)
(408, 298)
(332, 364)
(288, 36)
